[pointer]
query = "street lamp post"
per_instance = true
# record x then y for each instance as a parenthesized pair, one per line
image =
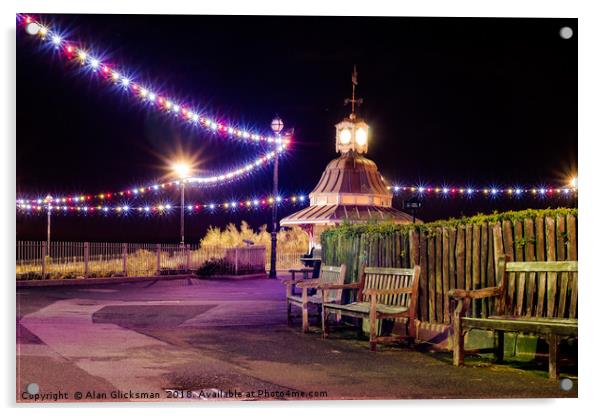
(182, 170)
(277, 126)
(182, 186)
(48, 200)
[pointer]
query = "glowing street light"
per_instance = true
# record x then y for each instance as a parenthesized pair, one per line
(181, 169)
(573, 182)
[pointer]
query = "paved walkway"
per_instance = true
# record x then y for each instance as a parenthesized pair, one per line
(204, 339)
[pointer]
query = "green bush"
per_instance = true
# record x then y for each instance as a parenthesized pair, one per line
(214, 267)
(387, 228)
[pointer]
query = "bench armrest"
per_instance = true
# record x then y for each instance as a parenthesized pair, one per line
(291, 282)
(308, 283)
(370, 292)
(486, 292)
(334, 286)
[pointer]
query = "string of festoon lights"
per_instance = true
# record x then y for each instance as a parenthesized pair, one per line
(120, 79)
(154, 188)
(163, 208)
(516, 191)
(71, 202)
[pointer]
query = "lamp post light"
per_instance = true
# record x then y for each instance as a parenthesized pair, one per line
(277, 126)
(48, 201)
(182, 170)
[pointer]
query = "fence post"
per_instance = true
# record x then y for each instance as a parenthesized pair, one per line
(86, 257)
(187, 258)
(125, 259)
(158, 259)
(43, 259)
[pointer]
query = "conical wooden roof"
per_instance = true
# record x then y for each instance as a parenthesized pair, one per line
(350, 190)
(352, 173)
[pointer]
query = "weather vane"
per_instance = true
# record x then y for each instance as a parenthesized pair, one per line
(353, 100)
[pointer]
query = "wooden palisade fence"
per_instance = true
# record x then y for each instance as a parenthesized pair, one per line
(461, 254)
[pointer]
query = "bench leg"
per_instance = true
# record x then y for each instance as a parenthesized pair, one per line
(289, 318)
(553, 341)
(498, 346)
(373, 324)
(458, 339)
(324, 322)
(305, 314)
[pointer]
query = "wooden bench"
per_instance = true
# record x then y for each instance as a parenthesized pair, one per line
(537, 298)
(304, 271)
(382, 293)
(328, 275)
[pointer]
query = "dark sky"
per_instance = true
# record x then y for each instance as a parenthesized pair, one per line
(449, 101)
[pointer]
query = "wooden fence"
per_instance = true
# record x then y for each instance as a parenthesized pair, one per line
(462, 255)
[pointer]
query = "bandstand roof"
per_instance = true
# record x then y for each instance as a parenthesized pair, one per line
(336, 214)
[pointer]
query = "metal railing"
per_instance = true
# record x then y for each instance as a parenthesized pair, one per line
(285, 261)
(60, 260)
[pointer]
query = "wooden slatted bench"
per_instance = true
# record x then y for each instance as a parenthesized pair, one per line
(328, 275)
(382, 293)
(537, 298)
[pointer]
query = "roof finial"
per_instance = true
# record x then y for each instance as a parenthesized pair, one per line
(353, 100)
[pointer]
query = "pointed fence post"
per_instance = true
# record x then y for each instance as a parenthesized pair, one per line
(158, 259)
(125, 259)
(86, 258)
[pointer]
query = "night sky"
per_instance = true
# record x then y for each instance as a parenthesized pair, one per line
(475, 102)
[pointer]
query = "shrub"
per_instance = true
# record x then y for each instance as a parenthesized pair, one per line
(214, 267)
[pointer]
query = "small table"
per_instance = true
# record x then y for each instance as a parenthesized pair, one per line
(305, 270)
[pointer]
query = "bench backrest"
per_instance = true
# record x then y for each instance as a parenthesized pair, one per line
(538, 288)
(333, 275)
(390, 278)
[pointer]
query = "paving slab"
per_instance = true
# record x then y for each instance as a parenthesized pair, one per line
(193, 340)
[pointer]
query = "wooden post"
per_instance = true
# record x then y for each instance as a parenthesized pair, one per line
(551, 256)
(43, 259)
(553, 341)
(158, 259)
(125, 259)
(86, 257)
(431, 279)
(445, 274)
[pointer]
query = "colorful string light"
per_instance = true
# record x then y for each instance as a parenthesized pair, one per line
(191, 207)
(397, 190)
(491, 191)
(145, 93)
(142, 190)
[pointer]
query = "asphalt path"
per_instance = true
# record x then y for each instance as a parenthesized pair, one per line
(192, 340)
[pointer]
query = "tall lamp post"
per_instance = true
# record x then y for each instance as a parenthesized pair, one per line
(48, 201)
(182, 169)
(277, 126)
